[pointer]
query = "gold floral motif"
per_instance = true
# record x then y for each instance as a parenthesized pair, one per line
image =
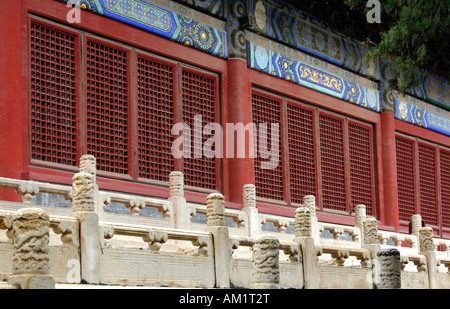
(437, 91)
(320, 78)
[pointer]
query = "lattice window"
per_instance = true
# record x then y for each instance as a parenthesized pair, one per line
(198, 99)
(427, 184)
(52, 95)
(302, 162)
(155, 119)
(268, 181)
(331, 136)
(405, 177)
(360, 146)
(107, 106)
(444, 159)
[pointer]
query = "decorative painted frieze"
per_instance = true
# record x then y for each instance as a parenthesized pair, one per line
(331, 57)
(437, 92)
(212, 7)
(315, 74)
(422, 114)
(160, 21)
(288, 25)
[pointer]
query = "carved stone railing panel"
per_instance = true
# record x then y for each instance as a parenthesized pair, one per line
(27, 189)
(235, 220)
(67, 227)
(415, 263)
(341, 235)
(154, 237)
(341, 256)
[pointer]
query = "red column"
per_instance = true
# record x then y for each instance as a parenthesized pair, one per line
(11, 93)
(240, 170)
(389, 170)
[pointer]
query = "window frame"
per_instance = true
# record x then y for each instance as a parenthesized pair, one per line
(315, 139)
(130, 106)
(283, 147)
(439, 229)
(333, 215)
(175, 107)
(373, 169)
(217, 118)
(126, 36)
(78, 95)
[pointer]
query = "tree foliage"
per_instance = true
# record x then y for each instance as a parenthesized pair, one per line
(415, 30)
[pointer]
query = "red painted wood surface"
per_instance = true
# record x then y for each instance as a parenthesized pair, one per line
(233, 86)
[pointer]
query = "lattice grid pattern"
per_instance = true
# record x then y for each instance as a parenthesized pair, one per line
(427, 184)
(268, 182)
(444, 159)
(405, 177)
(360, 146)
(331, 136)
(107, 107)
(302, 162)
(198, 94)
(52, 95)
(155, 119)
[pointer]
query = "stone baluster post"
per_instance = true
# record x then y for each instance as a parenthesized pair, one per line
(27, 190)
(360, 217)
(215, 221)
(180, 218)
(360, 214)
(390, 270)
(304, 237)
(309, 201)
(266, 268)
(427, 248)
(370, 241)
(88, 164)
(31, 262)
(303, 223)
(249, 207)
(370, 227)
(416, 224)
(83, 208)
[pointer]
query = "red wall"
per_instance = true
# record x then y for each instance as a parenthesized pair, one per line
(236, 83)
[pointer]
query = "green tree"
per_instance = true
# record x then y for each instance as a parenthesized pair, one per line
(413, 38)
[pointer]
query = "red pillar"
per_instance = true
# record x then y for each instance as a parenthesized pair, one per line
(240, 170)
(389, 170)
(11, 94)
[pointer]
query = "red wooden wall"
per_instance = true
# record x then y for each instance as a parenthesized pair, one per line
(68, 90)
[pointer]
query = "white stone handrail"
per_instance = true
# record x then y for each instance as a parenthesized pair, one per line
(398, 239)
(419, 261)
(135, 202)
(290, 248)
(156, 237)
(64, 225)
(444, 262)
(27, 188)
(236, 215)
(443, 243)
(341, 254)
(281, 223)
(337, 230)
(93, 235)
